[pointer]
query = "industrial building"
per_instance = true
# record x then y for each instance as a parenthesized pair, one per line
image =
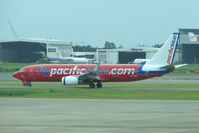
(125, 56)
(189, 45)
(187, 51)
(30, 50)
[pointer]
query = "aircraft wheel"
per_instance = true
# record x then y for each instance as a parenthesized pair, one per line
(99, 85)
(29, 85)
(92, 85)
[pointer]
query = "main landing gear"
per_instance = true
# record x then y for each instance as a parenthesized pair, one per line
(92, 85)
(27, 84)
(99, 85)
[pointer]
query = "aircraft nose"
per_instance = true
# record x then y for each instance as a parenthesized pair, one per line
(16, 75)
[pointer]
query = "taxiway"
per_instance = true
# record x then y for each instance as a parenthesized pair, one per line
(93, 116)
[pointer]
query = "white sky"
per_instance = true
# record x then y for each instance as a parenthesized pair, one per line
(127, 22)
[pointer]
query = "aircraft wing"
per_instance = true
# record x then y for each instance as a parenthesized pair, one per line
(91, 75)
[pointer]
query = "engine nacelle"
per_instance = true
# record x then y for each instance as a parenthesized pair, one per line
(70, 80)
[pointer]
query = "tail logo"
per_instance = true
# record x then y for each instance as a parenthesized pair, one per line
(171, 49)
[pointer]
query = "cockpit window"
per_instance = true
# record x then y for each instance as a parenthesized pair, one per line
(21, 70)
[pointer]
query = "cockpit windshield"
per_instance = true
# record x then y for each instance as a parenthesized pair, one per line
(21, 70)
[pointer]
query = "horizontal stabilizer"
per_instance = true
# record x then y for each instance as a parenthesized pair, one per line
(181, 65)
(167, 67)
(170, 66)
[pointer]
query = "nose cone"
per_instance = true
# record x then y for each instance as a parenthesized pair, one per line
(16, 75)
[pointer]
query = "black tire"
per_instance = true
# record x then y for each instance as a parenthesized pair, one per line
(29, 85)
(99, 85)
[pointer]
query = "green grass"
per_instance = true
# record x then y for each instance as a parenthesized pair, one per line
(101, 94)
(12, 67)
(187, 70)
(152, 85)
(121, 91)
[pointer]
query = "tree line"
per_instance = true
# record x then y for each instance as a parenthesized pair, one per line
(89, 48)
(107, 45)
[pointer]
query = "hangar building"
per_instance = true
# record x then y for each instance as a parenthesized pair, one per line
(126, 56)
(30, 50)
(189, 45)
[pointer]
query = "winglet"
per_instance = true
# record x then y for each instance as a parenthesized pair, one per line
(96, 67)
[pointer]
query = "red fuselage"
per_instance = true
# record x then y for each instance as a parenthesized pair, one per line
(106, 72)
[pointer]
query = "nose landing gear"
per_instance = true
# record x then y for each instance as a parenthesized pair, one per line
(27, 84)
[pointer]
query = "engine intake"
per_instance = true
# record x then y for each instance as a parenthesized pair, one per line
(70, 80)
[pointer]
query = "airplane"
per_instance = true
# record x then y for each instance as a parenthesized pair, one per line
(64, 59)
(94, 74)
(193, 37)
(68, 60)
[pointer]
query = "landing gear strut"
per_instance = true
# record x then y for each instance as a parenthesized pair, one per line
(92, 85)
(27, 84)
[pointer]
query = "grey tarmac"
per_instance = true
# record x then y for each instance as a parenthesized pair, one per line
(22, 115)
(6, 76)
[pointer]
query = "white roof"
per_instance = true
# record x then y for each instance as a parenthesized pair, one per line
(131, 49)
(38, 40)
(115, 50)
(84, 53)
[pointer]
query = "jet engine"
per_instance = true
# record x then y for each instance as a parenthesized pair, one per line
(70, 80)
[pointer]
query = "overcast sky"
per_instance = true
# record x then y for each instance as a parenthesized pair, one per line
(127, 22)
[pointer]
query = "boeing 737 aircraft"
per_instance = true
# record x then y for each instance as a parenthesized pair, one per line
(76, 74)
